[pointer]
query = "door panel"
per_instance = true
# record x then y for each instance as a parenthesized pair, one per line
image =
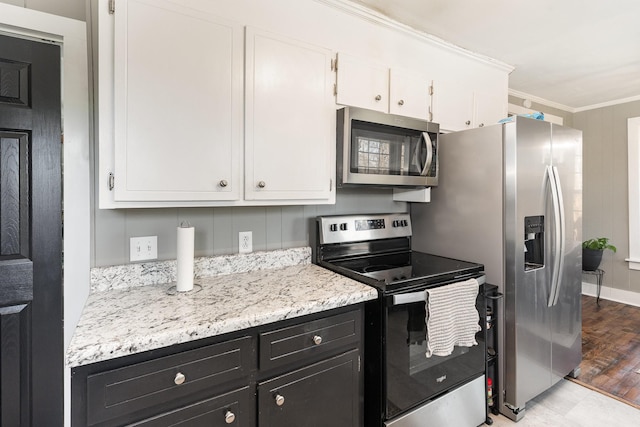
(31, 355)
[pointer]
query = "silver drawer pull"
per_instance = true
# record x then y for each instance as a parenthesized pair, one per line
(401, 102)
(179, 379)
(229, 417)
(262, 184)
(317, 339)
(378, 97)
(279, 399)
(223, 183)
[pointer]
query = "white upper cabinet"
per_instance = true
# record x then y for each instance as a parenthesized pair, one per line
(366, 84)
(362, 83)
(289, 119)
(409, 93)
(178, 104)
(471, 102)
(452, 104)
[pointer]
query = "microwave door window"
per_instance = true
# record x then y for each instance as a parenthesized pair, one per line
(374, 152)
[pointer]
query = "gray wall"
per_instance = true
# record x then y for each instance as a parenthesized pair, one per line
(69, 8)
(273, 227)
(605, 198)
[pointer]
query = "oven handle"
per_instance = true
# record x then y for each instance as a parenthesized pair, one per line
(411, 297)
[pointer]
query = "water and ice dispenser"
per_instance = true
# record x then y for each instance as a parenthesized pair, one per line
(533, 242)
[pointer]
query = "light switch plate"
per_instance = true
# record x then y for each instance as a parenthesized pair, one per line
(143, 248)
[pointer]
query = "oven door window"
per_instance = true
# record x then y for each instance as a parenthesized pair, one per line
(386, 150)
(411, 376)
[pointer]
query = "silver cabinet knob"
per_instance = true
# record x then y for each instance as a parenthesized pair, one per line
(229, 417)
(317, 339)
(223, 183)
(468, 122)
(481, 125)
(279, 399)
(179, 379)
(401, 102)
(378, 97)
(262, 184)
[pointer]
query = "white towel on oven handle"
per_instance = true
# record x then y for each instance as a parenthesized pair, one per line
(452, 317)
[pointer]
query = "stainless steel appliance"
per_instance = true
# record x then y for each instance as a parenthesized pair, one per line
(404, 387)
(385, 150)
(510, 197)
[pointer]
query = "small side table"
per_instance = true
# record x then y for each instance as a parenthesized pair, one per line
(598, 273)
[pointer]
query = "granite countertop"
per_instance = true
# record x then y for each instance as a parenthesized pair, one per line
(120, 322)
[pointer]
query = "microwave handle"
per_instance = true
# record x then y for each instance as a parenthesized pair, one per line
(427, 144)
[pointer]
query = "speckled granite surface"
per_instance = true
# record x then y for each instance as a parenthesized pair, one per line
(120, 322)
(157, 272)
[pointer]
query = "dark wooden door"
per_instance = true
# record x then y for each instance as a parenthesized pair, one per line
(31, 340)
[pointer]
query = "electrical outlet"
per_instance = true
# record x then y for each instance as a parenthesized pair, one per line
(245, 242)
(143, 248)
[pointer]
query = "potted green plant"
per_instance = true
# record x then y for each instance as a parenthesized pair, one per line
(592, 250)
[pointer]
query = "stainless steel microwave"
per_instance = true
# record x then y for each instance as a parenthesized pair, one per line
(381, 149)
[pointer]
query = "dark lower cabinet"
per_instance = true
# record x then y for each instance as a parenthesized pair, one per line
(232, 408)
(302, 372)
(319, 395)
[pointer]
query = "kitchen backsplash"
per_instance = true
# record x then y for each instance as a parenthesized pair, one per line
(158, 272)
(216, 229)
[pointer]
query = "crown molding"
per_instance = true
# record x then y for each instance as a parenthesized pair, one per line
(568, 109)
(378, 18)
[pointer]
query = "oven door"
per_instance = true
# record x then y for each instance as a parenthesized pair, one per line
(411, 377)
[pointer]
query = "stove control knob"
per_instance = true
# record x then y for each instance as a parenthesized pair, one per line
(343, 226)
(405, 223)
(333, 227)
(396, 223)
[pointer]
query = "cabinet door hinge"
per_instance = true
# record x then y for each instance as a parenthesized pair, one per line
(431, 89)
(430, 114)
(334, 64)
(335, 89)
(330, 185)
(112, 7)
(111, 181)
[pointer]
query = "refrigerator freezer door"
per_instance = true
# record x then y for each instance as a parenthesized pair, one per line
(527, 317)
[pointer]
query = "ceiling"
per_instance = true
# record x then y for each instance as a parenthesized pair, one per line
(575, 54)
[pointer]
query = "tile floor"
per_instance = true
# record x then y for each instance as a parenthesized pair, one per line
(568, 404)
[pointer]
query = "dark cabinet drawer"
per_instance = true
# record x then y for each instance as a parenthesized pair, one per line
(140, 386)
(326, 393)
(230, 409)
(317, 337)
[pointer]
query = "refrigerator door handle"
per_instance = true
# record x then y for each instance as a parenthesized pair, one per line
(427, 144)
(563, 234)
(558, 241)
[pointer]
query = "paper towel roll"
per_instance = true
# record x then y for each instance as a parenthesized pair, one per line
(185, 259)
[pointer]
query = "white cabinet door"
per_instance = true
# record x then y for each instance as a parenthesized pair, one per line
(362, 84)
(489, 107)
(178, 104)
(409, 94)
(452, 105)
(289, 120)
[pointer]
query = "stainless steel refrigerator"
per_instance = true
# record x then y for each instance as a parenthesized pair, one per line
(510, 197)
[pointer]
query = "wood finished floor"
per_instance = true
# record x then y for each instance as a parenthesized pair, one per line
(611, 348)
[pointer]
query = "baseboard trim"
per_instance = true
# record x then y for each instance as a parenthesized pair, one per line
(612, 294)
